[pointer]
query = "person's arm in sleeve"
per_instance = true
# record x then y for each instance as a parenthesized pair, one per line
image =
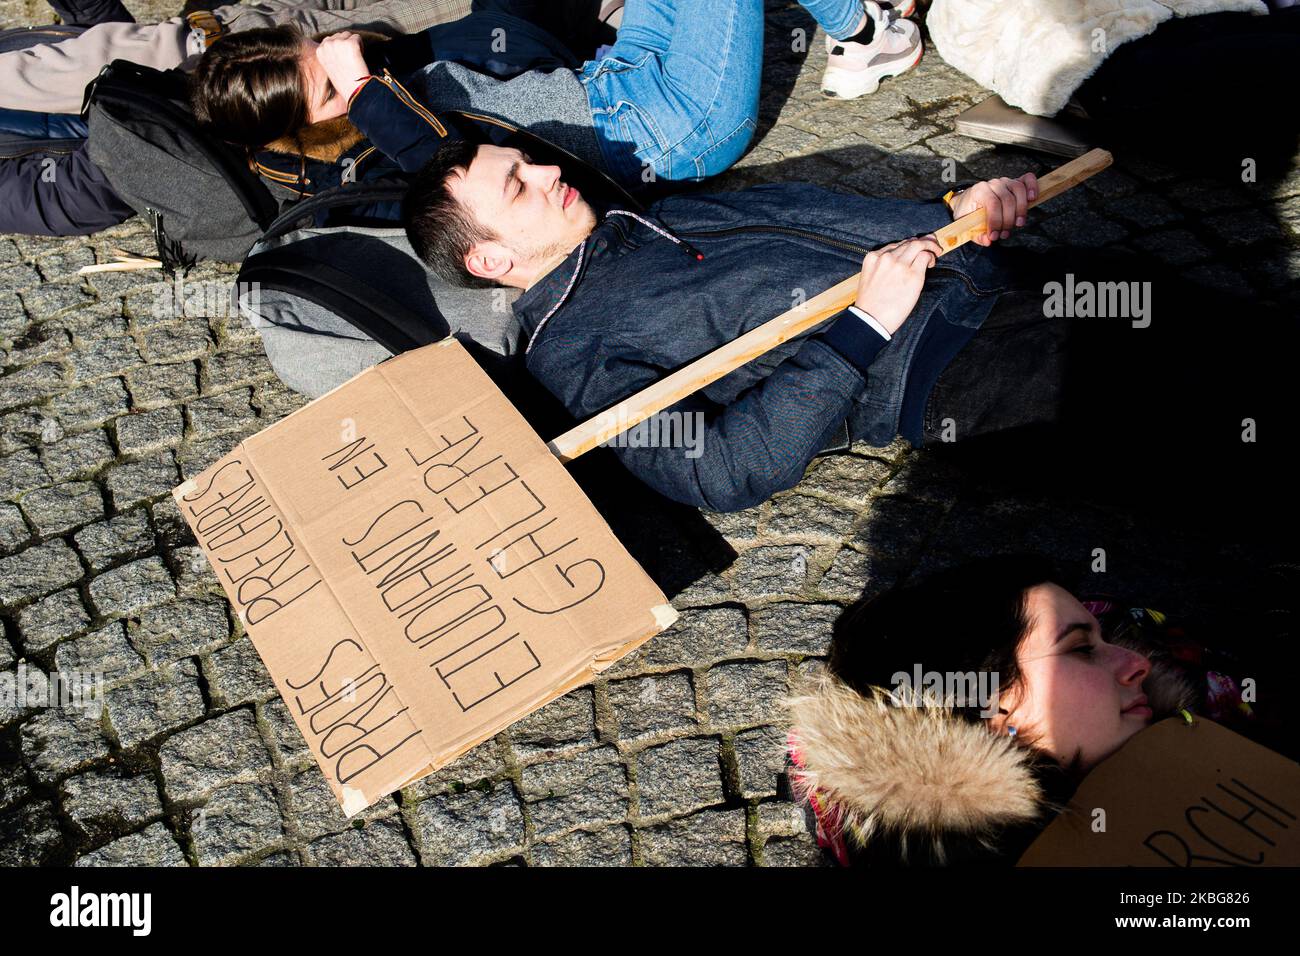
(734, 456)
(399, 125)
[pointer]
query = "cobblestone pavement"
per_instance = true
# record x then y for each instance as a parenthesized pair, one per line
(673, 756)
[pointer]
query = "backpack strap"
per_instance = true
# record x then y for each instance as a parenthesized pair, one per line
(387, 189)
(370, 310)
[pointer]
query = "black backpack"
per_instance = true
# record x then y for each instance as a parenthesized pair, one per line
(197, 193)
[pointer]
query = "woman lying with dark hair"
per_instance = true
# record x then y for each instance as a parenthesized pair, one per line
(1023, 689)
(674, 98)
(285, 97)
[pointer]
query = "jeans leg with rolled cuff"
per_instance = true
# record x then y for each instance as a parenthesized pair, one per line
(678, 92)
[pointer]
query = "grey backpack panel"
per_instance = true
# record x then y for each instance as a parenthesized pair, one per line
(143, 136)
(315, 349)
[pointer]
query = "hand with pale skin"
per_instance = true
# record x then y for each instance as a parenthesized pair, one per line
(340, 57)
(892, 277)
(1004, 201)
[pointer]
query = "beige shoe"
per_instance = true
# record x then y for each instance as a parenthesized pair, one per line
(856, 69)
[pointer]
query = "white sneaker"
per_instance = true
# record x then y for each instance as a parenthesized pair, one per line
(856, 69)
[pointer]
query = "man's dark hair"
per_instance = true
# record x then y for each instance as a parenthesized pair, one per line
(441, 230)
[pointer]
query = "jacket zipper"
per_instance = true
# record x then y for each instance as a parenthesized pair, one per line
(62, 146)
(410, 102)
(816, 237)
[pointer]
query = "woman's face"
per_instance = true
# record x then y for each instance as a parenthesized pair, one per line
(323, 101)
(1079, 697)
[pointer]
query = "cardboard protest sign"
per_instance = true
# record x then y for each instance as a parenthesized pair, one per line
(415, 568)
(1180, 795)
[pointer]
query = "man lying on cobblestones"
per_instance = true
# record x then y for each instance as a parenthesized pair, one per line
(980, 343)
(613, 304)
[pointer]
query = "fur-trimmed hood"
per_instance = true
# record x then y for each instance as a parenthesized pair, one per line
(915, 775)
(1036, 53)
(325, 142)
(920, 779)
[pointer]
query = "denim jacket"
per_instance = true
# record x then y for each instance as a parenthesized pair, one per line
(631, 305)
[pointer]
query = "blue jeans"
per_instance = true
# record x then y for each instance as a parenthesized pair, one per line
(678, 91)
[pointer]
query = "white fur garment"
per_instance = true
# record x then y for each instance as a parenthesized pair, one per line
(1036, 53)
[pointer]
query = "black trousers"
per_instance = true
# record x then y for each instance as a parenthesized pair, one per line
(1208, 91)
(1195, 410)
(86, 13)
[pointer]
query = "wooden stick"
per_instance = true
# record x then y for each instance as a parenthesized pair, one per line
(709, 368)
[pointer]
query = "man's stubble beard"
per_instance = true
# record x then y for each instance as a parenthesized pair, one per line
(562, 247)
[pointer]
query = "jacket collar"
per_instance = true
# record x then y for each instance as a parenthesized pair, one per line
(540, 300)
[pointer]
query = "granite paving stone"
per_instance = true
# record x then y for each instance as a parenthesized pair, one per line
(659, 703)
(38, 570)
(561, 725)
(104, 653)
(793, 628)
(85, 406)
(707, 838)
(585, 790)
(760, 759)
(238, 674)
(217, 752)
(51, 619)
(29, 835)
(745, 692)
(699, 637)
(124, 536)
(151, 477)
(21, 472)
(152, 846)
(181, 628)
(610, 846)
(378, 843)
(78, 455)
(477, 826)
(158, 701)
(102, 802)
(679, 776)
(144, 432)
(133, 587)
(56, 510)
(236, 821)
(286, 741)
(471, 769)
(59, 740)
(317, 811)
(154, 386)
